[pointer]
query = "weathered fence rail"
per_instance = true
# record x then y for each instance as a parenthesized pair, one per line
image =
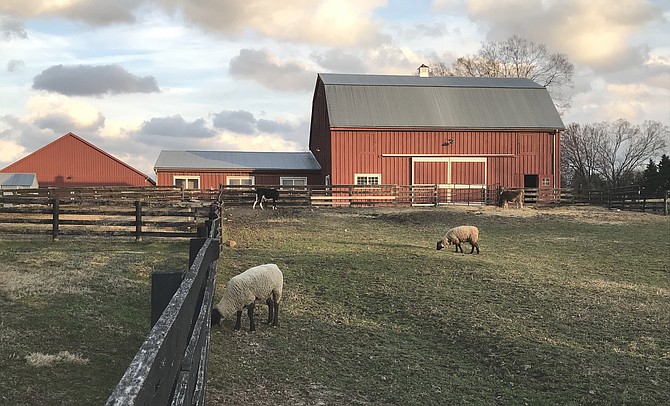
(434, 195)
(170, 368)
(133, 212)
(365, 195)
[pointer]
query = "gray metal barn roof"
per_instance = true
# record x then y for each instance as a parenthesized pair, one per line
(438, 102)
(18, 180)
(301, 161)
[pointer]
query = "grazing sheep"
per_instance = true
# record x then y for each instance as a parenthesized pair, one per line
(513, 196)
(459, 235)
(257, 283)
(263, 194)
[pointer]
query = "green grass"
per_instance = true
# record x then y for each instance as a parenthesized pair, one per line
(562, 307)
(559, 308)
(89, 299)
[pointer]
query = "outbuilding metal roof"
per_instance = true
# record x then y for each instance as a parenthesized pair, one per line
(438, 102)
(15, 180)
(303, 161)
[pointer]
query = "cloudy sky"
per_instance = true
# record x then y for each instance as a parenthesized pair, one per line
(137, 76)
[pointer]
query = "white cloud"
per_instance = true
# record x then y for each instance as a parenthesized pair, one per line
(329, 22)
(10, 151)
(266, 69)
(593, 33)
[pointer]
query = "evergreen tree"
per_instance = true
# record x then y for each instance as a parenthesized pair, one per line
(664, 173)
(650, 178)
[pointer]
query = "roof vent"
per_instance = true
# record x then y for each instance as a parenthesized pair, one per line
(423, 71)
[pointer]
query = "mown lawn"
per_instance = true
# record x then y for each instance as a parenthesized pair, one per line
(561, 307)
(565, 307)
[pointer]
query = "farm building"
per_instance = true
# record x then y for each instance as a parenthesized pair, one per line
(71, 161)
(18, 181)
(454, 132)
(209, 169)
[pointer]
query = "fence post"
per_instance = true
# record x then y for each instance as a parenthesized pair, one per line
(665, 204)
(609, 200)
(164, 284)
(55, 205)
(138, 220)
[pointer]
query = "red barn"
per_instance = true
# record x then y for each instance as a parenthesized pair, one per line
(209, 169)
(448, 131)
(70, 161)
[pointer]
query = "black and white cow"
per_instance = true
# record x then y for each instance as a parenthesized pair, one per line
(263, 194)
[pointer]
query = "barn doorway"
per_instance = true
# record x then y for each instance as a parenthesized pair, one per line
(531, 181)
(444, 180)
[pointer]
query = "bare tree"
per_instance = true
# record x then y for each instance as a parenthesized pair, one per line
(520, 58)
(579, 159)
(609, 152)
(625, 148)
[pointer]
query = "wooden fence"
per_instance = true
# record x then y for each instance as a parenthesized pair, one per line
(365, 195)
(435, 195)
(170, 368)
(134, 212)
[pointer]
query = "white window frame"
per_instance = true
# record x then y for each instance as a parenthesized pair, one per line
(186, 180)
(292, 180)
(545, 181)
(367, 177)
(239, 178)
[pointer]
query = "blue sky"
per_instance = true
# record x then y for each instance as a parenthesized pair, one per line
(137, 76)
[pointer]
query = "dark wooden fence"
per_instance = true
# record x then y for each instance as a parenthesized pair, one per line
(435, 195)
(365, 195)
(134, 212)
(170, 367)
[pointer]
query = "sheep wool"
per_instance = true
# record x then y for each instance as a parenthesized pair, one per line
(459, 235)
(257, 283)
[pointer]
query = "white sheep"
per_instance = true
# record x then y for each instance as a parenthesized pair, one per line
(257, 283)
(459, 235)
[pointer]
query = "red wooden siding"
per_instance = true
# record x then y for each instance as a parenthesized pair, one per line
(431, 173)
(71, 161)
(468, 173)
(509, 155)
(212, 180)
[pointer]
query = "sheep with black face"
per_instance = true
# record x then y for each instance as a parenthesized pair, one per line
(459, 235)
(262, 282)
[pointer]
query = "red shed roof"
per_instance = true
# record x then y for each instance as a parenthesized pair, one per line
(73, 161)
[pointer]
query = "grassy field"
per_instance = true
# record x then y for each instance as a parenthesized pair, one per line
(73, 314)
(562, 306)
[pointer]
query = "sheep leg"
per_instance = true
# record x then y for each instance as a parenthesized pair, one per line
(250, 313)
(270, 310)
(458, 247)
(275, 321)
(474, 245)
(238, 324)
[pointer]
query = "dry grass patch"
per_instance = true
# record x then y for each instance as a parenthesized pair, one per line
(37, 359)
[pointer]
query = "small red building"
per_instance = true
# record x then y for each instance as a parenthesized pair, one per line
(71, 161)
(448, 131)
(210, 169)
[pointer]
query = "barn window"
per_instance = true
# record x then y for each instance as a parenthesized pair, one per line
(187, 182)
(295, 181)
(367, 179)
(240, 180)
(545, 182)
